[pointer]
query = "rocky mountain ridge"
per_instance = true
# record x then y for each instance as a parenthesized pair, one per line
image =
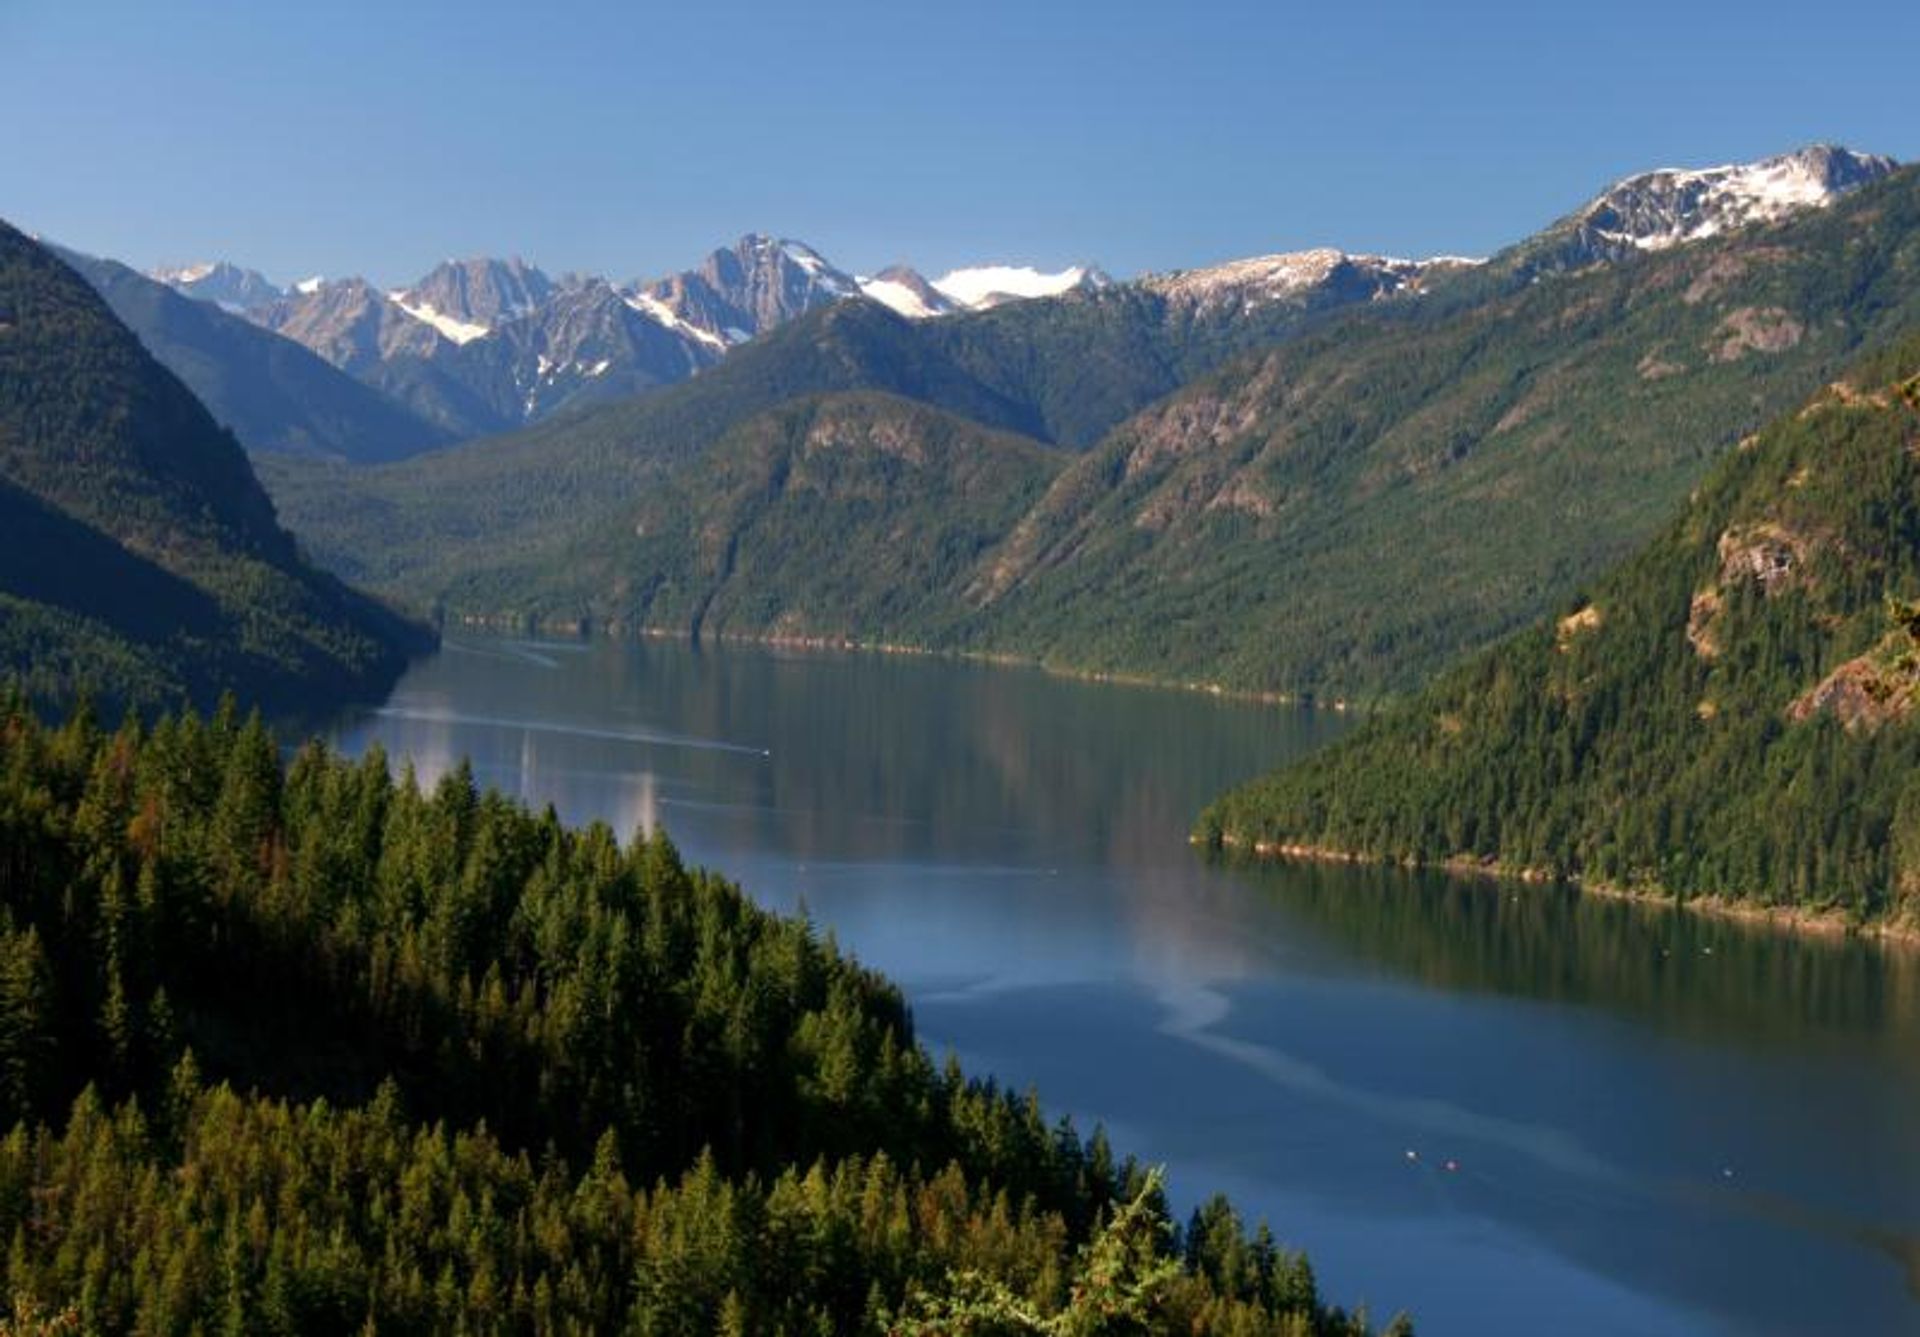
(485, 345)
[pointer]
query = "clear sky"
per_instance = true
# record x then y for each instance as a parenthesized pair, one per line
(339, 137)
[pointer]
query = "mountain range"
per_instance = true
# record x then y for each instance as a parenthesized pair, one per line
(482, 346)
(1316, 474)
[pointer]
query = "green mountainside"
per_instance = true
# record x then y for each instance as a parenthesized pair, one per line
(1348, 513)
(306, 1049)
(1728, 715)
(1340, 515)
(269, 392)
(840, 516)
(144, 558)
(515, 512)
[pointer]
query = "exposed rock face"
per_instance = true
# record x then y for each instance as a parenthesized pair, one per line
(1700, 619)
(1576, 624)
(446, 344)
(479, 293)
(1754, 329)
(352, 324)
(225, 284)
(586, 343)
(1862, 694)
(1767, 554)
(1671, 206)
(748, 288)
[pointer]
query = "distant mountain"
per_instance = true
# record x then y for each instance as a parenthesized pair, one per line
(584, 345)
(745, 289)
(353, 325)
(987, 286)
(473, 347)
(1320, 475)
(906, 291)
(271, 392)
(1242, 286)
(1727, 715)
(224, 284)
(466, 299)
(1656, 210)
(144, 559)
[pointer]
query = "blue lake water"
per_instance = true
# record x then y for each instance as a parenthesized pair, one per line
(1503, 1110)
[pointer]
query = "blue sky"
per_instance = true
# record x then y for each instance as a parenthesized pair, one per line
(629, 139)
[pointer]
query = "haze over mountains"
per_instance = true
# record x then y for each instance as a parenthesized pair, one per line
(1265, 454)
(487, 345)
(483, 345)
(1263, 459)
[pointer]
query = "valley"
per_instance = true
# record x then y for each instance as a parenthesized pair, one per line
(1049, 998)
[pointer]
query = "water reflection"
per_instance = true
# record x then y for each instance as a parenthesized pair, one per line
(1655, 1123)
(1715, 978)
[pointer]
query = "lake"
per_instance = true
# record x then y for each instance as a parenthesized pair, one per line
(1503, 1110)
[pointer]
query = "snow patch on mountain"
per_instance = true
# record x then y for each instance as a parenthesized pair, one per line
(899, 297)
(815, 265)
(987, 285)
(460, 331)
(656, 310)
(1671, 206)
(1295, 275)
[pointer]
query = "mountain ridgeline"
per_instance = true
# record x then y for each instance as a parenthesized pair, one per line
(1394, 464)
(1728, 715)
(302, 1048)
(144, 560)
(273, 394)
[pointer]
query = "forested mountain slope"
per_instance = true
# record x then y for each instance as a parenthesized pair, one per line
(1340, 515)
(143, 557)
(310, 1050)
(1730, 714)
(1349, 512)
(513, 514)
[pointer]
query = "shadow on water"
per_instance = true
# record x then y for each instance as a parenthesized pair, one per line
(1664, 1123)
(1715, 978)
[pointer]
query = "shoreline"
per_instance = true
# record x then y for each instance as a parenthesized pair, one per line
(1796, 920)
(842, 644)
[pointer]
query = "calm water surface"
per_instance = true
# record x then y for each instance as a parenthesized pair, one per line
(1654, 1125)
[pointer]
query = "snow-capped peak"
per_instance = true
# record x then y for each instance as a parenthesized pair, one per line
(906, 292)
(220, 282)
(988, 285)
(1291, 275)
(1672, 205)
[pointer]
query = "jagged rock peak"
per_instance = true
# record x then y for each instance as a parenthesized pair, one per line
(465, 299)
(221, 282)
(1670, 206)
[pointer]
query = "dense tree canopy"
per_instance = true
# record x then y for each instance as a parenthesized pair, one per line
(1731, 713)
(306, 1048)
